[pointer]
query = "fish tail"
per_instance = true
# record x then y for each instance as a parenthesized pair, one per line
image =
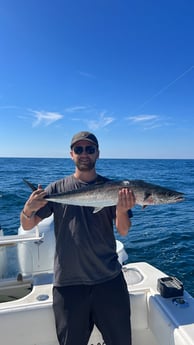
(29, 184)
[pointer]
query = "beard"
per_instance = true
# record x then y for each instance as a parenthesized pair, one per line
(85, 165)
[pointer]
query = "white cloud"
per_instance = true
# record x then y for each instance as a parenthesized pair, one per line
(146, 121)
(93, 119)
(77, 109)
(97, 120)
(143, 118)
(45, 118)
(100, 122)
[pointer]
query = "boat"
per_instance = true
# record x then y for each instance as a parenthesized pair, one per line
(162, 311)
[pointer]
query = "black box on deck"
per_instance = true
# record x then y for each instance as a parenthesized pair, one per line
(170, 287)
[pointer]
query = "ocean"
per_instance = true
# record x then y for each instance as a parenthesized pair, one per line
(160, 235)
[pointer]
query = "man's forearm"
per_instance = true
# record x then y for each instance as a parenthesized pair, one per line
(123, 223)
(29, 219)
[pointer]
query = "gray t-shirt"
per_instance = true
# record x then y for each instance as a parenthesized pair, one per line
(85, 243)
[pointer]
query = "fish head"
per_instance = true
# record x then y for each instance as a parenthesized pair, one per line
(162, 196)
(151, 194)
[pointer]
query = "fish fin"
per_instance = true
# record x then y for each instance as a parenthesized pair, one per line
(148, 197)
(97, 209)
(29, 184)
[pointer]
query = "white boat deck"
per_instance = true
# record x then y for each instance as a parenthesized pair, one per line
(26, 313)
(155, 320)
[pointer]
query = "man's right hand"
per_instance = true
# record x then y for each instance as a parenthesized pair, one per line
(35, 201)
(32, 205)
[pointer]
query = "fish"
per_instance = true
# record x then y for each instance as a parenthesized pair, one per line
(105, 194)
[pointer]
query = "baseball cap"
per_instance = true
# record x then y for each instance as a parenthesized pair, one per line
(84, 136)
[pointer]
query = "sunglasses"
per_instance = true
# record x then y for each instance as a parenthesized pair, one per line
(90, 150)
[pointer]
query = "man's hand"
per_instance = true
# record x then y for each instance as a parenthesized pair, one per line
(35, 201)
(126, 200)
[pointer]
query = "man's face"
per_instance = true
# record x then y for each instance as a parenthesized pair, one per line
(84, 155)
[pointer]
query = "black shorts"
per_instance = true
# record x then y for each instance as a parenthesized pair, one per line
(77, 308)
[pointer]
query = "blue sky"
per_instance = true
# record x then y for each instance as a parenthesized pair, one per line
(122, 69)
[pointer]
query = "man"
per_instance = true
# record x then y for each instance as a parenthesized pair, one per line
(89, 287)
